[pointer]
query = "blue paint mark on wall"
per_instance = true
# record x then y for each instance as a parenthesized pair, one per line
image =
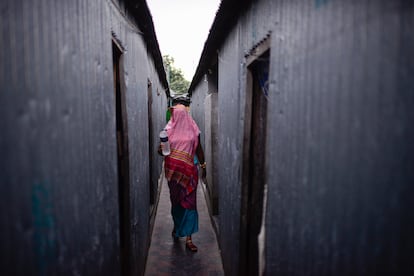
(44, 239)
(320, 3)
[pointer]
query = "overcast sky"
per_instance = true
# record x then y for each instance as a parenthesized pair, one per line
(182, 27)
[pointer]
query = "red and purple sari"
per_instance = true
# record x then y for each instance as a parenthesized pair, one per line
(180, 171)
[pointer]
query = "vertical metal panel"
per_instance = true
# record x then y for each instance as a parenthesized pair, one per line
(138, 122)
(212, 146)
(58, 170)
(230, 133)
(204, 108)
(340, 137)
(197, 108)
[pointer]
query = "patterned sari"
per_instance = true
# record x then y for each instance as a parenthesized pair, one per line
(181, 173)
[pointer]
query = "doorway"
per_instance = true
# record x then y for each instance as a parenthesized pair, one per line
(123, 158)
(152, 184)
(254, 162)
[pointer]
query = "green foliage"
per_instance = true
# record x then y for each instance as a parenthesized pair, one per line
(178, 84)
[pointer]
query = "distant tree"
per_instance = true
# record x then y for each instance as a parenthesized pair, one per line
(175, 76)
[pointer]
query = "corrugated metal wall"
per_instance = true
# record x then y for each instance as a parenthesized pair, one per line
(340, 168)
(230, 147)
(339, 136)
(59, 199)
(197, 103)
(204, 111)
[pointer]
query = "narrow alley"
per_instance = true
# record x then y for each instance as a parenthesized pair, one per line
(300, 114)
(169, 256)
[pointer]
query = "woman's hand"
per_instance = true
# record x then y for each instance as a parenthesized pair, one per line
(203, 167)
(203, 172)
(160, 150)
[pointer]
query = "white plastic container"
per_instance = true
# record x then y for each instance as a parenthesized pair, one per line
(165, 145)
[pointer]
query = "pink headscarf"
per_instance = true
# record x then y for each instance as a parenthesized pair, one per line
(182, 131)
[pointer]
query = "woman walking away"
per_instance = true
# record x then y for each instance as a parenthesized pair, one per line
(182, 174)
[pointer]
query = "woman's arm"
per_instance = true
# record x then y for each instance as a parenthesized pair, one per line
(200, 156)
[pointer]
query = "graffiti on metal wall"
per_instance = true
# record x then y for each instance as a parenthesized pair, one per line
(44, 239)
(320, 3)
